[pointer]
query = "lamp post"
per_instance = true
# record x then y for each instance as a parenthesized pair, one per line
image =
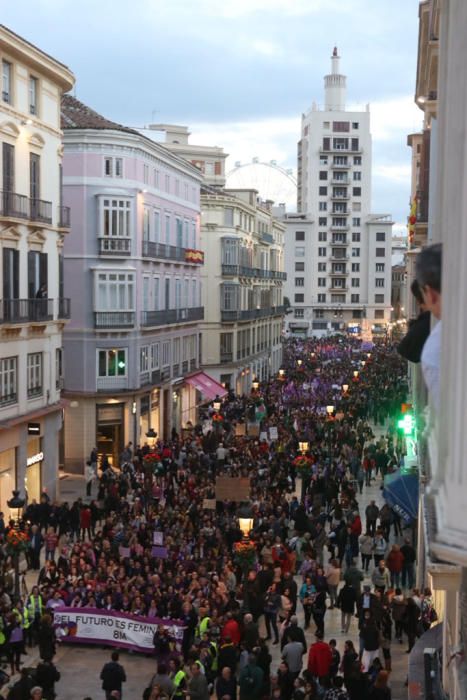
(303, 446)
(245, 519)
(255, 384)
(151, 437)
(355, 374)
(363, 363)
(16, 503)
(282, 374)
(345, 388)
(216, 406)
(299, 363)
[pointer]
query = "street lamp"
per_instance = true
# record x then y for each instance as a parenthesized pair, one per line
(16, 503)
(303, 446)
(368, 355)
(345, 388)
(255, 384)
(299, 363)
(245, 519)
(355, 374)
(216, 405)
(313, 355)
(363, 363)
(281, 373)
(330, 410)
(151, 436)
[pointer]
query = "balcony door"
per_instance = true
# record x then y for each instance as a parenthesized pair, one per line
(37, 273)
(34, 183)
(10, 265)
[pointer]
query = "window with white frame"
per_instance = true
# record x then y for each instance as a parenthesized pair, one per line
(193, 347)
(156, 178)
(355, 298)
(146, 224)
(144, 358)
(113, 167)
(299, 251)
(321, 281)
(185, 349)
(7, 82)
(34, 374)
(33, 95)
(379, 298)
(194, 296)
(355, 281)
(323, 206)
(381, 236)
(166, 353)
(299, 281)
(379, 282)
(379, 267)
(157, 293)
(167, 183)
(321, 298)
(186, 233)
(321, 267)
(116, 218)
(357, 175)
(146, 292)
(8, 380)
(355, 267)
(112, 363)
(115, 291)
(157, 225)
(146, 174)
(155, 355)
(167, 229)
(178, 294)
(176, 351)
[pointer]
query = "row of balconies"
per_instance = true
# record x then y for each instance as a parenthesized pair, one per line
(241, 271)
(148, 319)
(115, 247)
(13, 311)
(38, 211)
(231, 315)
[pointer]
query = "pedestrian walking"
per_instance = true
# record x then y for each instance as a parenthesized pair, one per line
(112, 676)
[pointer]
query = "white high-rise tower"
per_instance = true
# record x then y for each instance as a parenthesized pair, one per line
(338, 254)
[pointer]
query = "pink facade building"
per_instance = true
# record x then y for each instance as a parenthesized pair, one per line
(132, 267)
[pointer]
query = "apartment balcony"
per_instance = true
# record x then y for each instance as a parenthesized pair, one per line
(334, 273)
(164, 251)
(113, 246)
(340, 197)
(338, 228)
(226, 357)
(18, 206)
(337, 244)
(114, 319)
(40, 210)
(340, 166)
(231, 315)
(338, 289)
(338, 258)
(13, 311)
(64, 217)
(112, 383)
(230, 270)
(164, 317)
(343, 183)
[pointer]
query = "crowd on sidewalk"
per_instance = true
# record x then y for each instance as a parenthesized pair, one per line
(303, 553)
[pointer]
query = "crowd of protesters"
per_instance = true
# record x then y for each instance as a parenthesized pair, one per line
(311, 545)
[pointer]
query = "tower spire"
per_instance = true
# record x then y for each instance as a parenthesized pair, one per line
(335, 86)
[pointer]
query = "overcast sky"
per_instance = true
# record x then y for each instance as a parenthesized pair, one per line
(240, 72)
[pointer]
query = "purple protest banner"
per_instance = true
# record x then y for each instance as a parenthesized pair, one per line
(114, 628)
(159, 552)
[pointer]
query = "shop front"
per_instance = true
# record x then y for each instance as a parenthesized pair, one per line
(7, 478)
(33, 478)
(110, 431)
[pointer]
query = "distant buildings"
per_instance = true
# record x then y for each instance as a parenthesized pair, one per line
(243, 274)
(33, 307)
(133, 263)
(339, 263)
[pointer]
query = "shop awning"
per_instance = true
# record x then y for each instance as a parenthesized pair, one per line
(206, 385)
(401, 493)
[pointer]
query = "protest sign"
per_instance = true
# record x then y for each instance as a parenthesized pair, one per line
(159, 552)
(158, 538)
(273, 434)
(110, 627)
(229, 488)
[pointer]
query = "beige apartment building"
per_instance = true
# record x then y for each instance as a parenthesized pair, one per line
(33, 310)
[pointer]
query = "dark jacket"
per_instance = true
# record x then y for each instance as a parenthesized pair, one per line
(251, 682)
(347, 598)
(112, 676)
(412, 343)
(227, 657)
(224, 687)
(46, 676)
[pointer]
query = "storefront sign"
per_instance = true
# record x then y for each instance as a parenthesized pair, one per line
(93, 626)
(35, 459)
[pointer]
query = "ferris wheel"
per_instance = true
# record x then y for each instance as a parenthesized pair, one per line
(272, 181)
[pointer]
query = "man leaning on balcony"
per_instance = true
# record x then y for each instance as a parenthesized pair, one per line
(428, 273)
